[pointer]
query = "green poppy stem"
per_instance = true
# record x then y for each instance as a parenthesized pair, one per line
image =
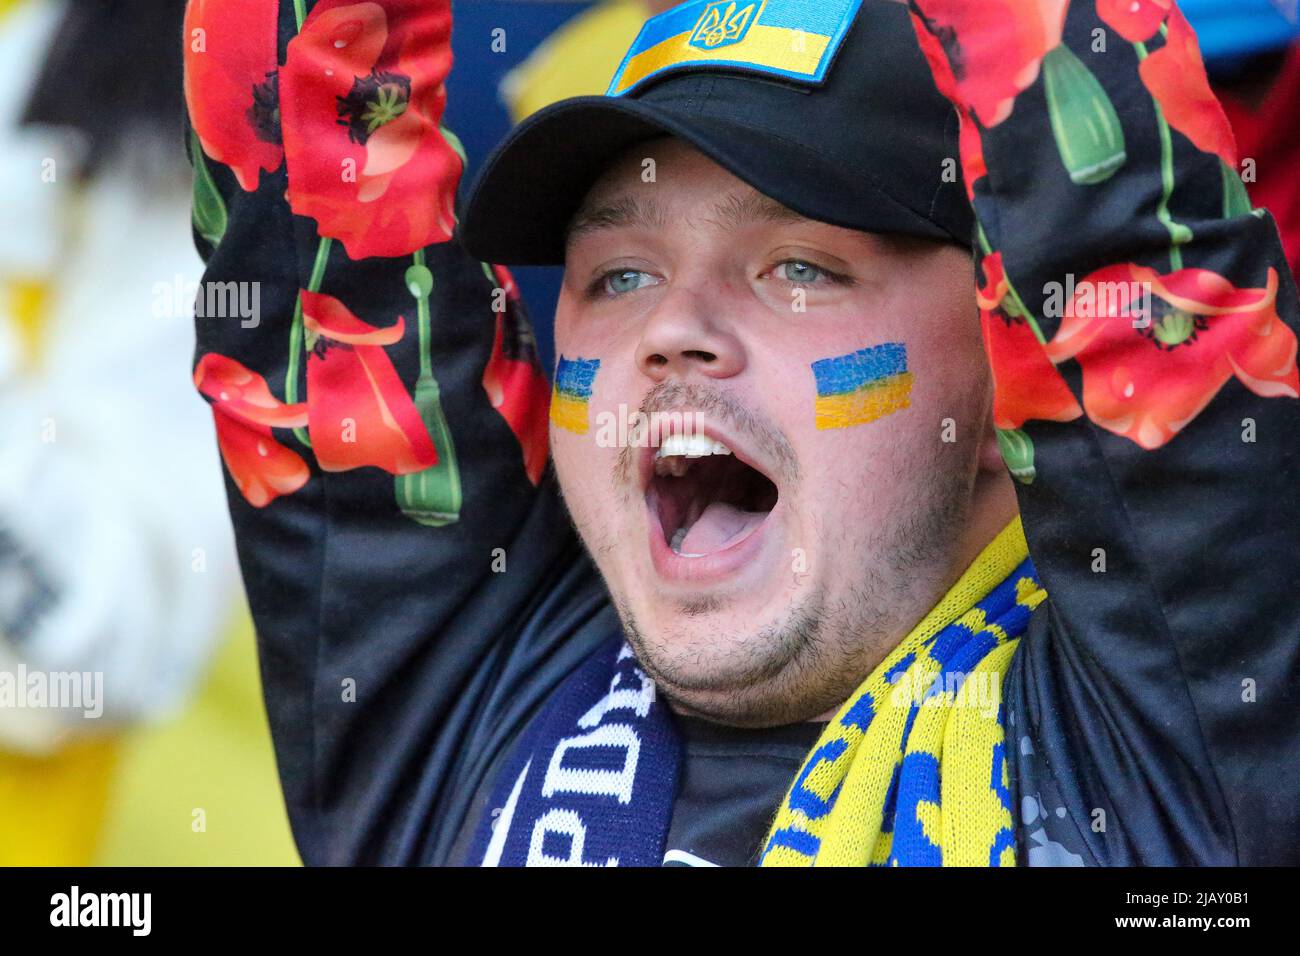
(424, 324)
(1178, 233)
(296, 343)
(318, 267)
(1011, 289)
(291, 374)
(299, 12)
(431, 497)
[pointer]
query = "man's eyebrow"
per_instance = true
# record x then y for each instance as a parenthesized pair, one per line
(623, 212)
(735, 211)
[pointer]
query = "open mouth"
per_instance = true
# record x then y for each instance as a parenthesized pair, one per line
(706, 498)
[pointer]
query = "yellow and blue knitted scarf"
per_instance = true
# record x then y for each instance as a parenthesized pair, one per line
(912, 771)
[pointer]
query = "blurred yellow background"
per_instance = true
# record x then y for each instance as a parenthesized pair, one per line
(217, 757)
(130, 801)
(116, 558)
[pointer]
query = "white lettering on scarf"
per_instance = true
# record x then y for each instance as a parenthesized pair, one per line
(596, 783)
(564, 823)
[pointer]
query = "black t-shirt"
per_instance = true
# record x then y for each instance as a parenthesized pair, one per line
(730, 785)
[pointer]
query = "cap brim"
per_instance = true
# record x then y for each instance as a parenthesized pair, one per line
(528, 191)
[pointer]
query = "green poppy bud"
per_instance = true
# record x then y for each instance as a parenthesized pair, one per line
(1088, 135)
(1018, 452)
(209, 209)
(419, 281)
(1236, 201)
(432, 497)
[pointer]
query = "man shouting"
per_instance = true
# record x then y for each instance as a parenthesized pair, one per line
(880, 559)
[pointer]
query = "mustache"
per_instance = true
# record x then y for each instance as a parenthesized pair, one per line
(726, 410)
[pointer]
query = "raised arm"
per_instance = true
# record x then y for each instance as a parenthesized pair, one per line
(1140, 322)
(379, 409)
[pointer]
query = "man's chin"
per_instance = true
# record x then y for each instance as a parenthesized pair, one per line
(766, 703)
(730, 666)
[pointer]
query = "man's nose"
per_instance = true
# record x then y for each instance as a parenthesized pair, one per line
(690, 332)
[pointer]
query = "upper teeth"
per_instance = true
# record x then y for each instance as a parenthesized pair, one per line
(690, 446)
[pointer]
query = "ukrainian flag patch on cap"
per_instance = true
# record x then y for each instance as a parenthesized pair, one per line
(791, 39)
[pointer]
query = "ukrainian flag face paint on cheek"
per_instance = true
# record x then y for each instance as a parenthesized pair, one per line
(862, 386)
(572, 391)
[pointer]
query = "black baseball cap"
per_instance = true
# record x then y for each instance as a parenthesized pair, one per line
(826, 106)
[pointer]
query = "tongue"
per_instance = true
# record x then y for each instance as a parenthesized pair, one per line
(718, 526)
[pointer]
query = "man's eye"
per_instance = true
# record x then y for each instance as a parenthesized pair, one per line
(796, 270)
(625, 280)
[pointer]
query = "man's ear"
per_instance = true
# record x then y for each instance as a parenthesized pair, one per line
(990, 454)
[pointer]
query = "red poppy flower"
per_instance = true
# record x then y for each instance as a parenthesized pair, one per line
(1135, 20)
(230, 84)
(1175, 76)
(1148, 383)
(994, 47)
(359, 412)
(969, 144)
(1025, 382)
(362, 95)
(245, 411)
(514, 381)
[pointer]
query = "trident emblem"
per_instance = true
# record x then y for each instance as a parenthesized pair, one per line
(722, 27)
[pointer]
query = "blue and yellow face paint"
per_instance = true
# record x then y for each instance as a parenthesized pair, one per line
(572, 391)
(791, 39)
(862, 386)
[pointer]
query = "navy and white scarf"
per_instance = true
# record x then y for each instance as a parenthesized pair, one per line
(592, 782)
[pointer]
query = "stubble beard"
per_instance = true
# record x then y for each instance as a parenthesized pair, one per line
(825, 645)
